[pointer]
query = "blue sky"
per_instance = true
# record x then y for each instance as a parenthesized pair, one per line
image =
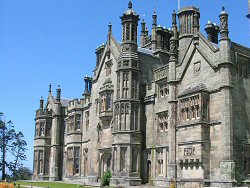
(53, 41)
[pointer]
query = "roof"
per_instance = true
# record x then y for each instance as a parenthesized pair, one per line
(194, 89)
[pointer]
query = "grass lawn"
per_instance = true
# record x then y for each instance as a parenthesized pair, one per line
(50, 184)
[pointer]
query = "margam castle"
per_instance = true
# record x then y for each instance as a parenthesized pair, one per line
(177, 108)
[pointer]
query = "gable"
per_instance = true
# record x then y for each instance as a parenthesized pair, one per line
(111, 53)
(197, 71)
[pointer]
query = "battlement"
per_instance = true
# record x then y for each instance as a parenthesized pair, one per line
(43, 113)
(161, 73)
(78, 103)
(189, 8)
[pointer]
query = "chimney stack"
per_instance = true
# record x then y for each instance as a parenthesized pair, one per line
(212, 32)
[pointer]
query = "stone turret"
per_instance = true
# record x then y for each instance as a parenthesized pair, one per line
(143, 37)
(189, 25)
(41, 103)
(227, 165)
(126, 146)
(129, 35)
(58, 94)
(88, 86)
(153, 36)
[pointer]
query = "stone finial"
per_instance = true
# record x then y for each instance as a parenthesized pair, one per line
(143, 26)
(224, 24)
(41, 103)
(58, 94)
(130, 5)
(196, 23)
(110, 28)
(50, 88)
(173, 48)
(174, 18)
(154, 16)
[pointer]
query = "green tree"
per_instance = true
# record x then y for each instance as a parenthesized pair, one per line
(23, 173)
(106, 178)
(17, 149)
(11, 144)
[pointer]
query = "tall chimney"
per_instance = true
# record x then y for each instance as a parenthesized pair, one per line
(212, 32)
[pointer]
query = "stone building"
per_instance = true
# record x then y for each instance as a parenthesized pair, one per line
(175, 109)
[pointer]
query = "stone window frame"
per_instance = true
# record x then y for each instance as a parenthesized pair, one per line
(108, 67)
(135, 84)
(242, 65)
(77, 165)
(70, 160)
(246, 158)
(78, 122)
(123, 154)
(48, 127)
(85, 162)
(242, 69)
(70, 123)
(37, 129)
(118, 86)
(125, 85)
(159, 162)
(134, 155)
(74, 124)
(36, 162)
(162, 88)
(87, 120)
(41, 128)
(40, 161)
(162, 121)
(106, 101)
(190, 107)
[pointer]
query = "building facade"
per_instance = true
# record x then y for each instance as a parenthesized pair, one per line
(175, 109)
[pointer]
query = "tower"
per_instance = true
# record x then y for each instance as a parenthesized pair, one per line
(56, 139)
(227, 165)
(126, 147)
(188, 27)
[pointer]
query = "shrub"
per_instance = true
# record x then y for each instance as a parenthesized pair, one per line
(6, 185)
(172, 184)
(106, 178)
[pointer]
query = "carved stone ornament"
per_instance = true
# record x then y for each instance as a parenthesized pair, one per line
(126, 46)
(174, 18)
(224, 23)
(188, 151)
(197, 67)
(172, 46)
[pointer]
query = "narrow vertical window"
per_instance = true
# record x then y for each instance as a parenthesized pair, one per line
(134, 86)
(123, 159)
(70, 161)
(160, 167)
(77, 160)
(133, 32)
(134, 160)
(41, 129)
(40, 162)
(78, 121)
(118, 86)
(109, 101)
(87, 120)
(127, 31)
